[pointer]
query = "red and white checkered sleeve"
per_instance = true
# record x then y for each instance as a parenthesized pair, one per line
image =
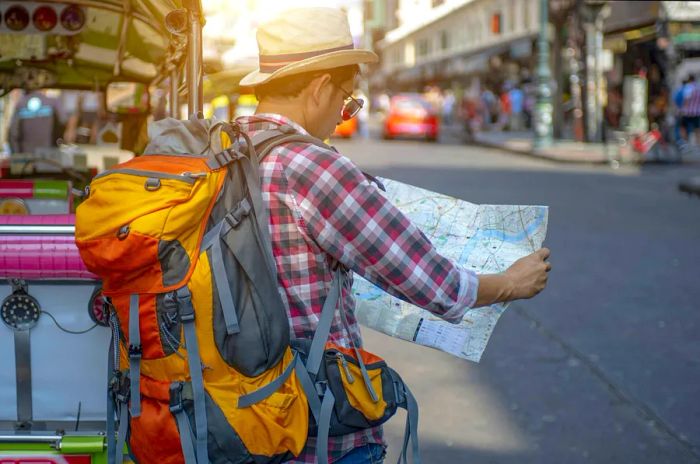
(354, 223)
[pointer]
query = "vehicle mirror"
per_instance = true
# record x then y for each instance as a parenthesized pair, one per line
(122, 97)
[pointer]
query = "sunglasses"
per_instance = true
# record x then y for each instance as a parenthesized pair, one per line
(351, 105)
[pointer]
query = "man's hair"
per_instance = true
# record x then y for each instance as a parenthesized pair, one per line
(291, 86)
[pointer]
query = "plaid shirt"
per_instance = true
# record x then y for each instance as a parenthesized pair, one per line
(322, 209)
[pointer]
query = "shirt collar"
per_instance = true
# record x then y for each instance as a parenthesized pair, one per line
(271, 119)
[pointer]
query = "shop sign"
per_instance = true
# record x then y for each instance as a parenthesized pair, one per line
(616, 44)
(682, 11)
(685, 34)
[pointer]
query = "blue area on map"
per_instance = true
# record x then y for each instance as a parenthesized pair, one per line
(502, 235)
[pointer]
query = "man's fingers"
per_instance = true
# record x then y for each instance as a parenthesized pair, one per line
(543, 253)
(548, 266)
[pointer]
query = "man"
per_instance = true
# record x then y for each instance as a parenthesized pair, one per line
(323, 209)
(691, 110)
(516, 97)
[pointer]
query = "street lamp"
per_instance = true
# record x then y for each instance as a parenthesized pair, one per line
(543, 106)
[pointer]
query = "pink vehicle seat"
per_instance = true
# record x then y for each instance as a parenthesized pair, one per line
(30, 249)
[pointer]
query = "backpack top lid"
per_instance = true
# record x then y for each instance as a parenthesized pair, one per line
(142, 225)
(192, 136)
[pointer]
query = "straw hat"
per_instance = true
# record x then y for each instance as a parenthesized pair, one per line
(302, 40)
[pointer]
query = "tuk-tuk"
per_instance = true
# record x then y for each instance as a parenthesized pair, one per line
(54, 335)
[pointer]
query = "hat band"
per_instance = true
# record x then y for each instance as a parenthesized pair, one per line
(271, 63)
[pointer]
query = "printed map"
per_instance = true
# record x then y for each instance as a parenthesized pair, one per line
(485, 238)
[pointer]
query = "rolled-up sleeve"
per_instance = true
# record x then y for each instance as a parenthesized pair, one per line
(354, 223)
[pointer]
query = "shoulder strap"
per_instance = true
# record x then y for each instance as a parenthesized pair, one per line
(264, 142)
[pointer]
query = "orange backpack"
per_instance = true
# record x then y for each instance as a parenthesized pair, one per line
(205, 370)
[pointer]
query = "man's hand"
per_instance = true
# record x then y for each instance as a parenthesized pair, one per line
(528, 275)
(524, 279)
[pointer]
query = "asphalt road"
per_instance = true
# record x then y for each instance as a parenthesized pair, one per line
(604, 365)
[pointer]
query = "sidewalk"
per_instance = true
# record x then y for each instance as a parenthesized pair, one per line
(567, 151)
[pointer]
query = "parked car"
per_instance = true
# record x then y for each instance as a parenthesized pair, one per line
(346, 129)
(411, 115)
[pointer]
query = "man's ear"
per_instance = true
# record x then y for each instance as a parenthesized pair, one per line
(317, 88)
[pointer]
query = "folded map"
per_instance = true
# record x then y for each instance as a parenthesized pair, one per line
(484, 238)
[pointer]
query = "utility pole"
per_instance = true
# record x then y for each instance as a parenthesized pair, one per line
(543, 106)
(595, 12)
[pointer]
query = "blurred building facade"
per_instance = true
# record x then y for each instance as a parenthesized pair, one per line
(597, 47)
(450, 43)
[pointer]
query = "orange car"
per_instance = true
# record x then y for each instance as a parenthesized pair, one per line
(411, 115)
(346, 129)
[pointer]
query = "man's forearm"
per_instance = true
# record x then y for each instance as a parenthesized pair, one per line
(494, 288)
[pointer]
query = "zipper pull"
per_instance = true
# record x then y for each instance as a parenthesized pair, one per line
(344, 364)
(194, 175)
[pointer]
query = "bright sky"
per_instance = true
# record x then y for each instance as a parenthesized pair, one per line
(239, 19)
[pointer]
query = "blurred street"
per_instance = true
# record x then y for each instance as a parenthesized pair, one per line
(601, 367)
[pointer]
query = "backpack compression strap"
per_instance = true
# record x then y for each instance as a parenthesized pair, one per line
(187, 316)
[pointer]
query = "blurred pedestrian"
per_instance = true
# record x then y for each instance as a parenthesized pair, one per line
(471, 115)
(613, 108)
(489, 108)
(678, 130)
(448, 107)
(516, 97)
(35, 123)
(504, 111)
(691, 110)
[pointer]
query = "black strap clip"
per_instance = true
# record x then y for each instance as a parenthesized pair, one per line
(135, 351)
(176, 398)
(235, 217)
(120, 386)
(184, 302)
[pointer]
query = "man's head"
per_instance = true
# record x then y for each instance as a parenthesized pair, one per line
(307, 69)
(315, 99)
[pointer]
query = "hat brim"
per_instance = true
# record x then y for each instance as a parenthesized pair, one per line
(316, 63)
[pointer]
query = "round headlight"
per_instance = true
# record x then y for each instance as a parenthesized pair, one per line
(72, 18)
(16, 18)
(45, 18)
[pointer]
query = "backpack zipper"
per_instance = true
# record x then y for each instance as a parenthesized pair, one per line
(343, 363)
(186, 176)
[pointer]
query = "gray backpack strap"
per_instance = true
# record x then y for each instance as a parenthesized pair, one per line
(111, 444)
(187, 316)
(411, 433)
(313, 364)
(213, 240)
(324, 426)
(363, 368)
(184, 427)
(318, 344)
(265, 141)
(117, 399)
(121, 435)
(135, 355)
(261, 393)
